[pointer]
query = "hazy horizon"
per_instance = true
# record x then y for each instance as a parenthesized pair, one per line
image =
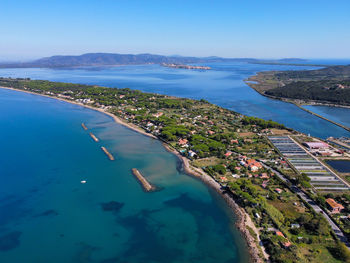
(239, 29)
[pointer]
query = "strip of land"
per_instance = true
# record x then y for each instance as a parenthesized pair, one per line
(222, 148)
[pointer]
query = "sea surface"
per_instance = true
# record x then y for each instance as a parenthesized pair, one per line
(48, 215)
(223, 85)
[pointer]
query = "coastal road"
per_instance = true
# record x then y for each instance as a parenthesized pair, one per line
(312, 203)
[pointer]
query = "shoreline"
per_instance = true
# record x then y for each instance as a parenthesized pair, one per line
(242, 217)
(300, 103)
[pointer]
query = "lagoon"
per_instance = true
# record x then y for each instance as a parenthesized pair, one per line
(223, 85)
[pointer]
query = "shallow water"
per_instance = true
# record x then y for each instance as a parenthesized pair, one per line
(223, 85)
(47, 215)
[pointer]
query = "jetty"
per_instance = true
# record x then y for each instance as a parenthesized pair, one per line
(110, 156)
(84, 126)
(145, 184)
(94, 137)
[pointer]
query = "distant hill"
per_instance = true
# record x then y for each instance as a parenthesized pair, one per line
(326, 85)
(108, 59)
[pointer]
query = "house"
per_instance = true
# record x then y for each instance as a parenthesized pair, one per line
(228, 154)
(191, 153)
(295, 226)
(333, 206)
(158, 114)
(211, 132)
(287, 243)
(223, 179)
(264, 176)
(278, 190)
(264, 184)
(253, 165)
(182, 142)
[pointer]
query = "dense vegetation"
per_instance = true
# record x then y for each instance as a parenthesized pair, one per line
(330, 85)
(337, 92)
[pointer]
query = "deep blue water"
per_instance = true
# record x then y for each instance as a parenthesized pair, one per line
(47, 215)
(223, 85)
(342, 166)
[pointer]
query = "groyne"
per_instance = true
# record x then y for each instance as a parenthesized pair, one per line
(84, 126)
(145, 184)
(94, 137)
(110, 156)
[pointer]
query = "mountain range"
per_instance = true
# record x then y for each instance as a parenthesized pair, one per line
(109, 59)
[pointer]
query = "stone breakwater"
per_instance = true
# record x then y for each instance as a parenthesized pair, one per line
(94, 137)
(145, 184)
(110, 156)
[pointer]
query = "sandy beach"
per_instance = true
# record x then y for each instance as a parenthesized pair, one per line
(242, 218)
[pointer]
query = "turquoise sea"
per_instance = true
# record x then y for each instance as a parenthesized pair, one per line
(47, 215)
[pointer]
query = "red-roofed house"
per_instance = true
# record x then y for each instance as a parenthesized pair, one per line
(182, 142)
(227, 154)
(333, 206)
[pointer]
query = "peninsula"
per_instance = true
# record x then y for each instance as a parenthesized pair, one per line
(330, 85)
(282, 211)
(182, 66)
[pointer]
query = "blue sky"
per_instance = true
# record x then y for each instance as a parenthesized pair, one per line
(259, 28)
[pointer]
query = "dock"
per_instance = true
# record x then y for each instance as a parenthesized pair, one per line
(84, 126)
(110, 156)
(94, 137)
(145, 184)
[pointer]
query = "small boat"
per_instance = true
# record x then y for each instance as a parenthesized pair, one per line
(83, 182)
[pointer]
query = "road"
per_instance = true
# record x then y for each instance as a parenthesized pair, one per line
(312, 203)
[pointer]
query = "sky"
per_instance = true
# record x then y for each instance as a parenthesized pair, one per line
(235, 28)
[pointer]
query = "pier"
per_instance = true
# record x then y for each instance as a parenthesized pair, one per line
(145, 184)
(94, 137)
(110, 156)
(84, 126)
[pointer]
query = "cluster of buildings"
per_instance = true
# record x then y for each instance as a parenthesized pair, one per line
(323, 149)
(321, 177)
